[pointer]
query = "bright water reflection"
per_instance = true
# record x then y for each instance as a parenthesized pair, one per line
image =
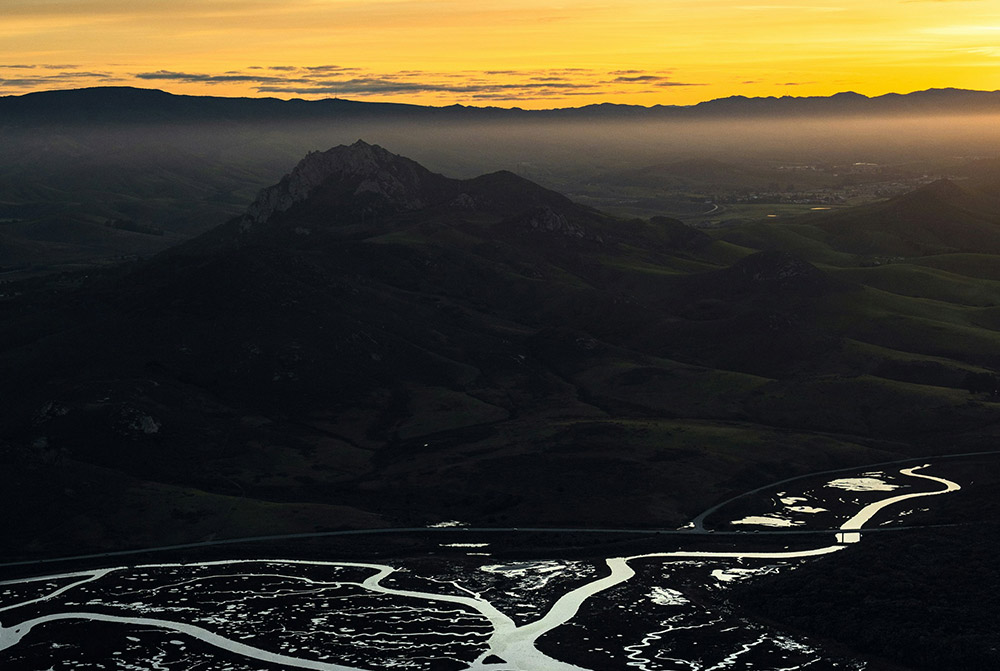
(656, 612)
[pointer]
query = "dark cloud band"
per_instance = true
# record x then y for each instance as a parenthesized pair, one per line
(345, 81)
(488, 84)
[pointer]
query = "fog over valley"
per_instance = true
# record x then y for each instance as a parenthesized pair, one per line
(72, 184)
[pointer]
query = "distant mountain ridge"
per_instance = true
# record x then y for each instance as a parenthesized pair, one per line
(128, 104)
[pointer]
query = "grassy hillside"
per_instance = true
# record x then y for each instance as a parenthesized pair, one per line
(483, 350)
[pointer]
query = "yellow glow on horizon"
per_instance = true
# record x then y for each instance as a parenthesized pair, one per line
(503, 53)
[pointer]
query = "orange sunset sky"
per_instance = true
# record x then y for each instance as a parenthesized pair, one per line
(537, 54)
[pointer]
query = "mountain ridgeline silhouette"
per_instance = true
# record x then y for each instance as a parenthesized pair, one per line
(122, 104)
(357, 190)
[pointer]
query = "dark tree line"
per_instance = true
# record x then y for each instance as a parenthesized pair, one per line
(982, 383)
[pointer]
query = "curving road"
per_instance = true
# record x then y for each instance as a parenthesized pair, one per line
(697, 524)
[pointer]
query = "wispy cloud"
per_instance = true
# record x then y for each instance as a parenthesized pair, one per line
(38, 66)
(965, 30)
(335, 80)
(789, 8)
(338, 80)
(640, 78)
(993, 52)
(31, 76)
(227, 77)
(377, 85)
(328, 68)
(672, 83)
(658, 79)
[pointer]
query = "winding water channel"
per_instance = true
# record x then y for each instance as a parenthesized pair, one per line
(471, 613)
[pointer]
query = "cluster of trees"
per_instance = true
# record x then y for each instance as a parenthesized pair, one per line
(134, 227)
(982, 383)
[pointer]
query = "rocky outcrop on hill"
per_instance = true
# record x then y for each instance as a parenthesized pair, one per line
(358, 190)
(547, 220)
(356, 170)
(778, 269)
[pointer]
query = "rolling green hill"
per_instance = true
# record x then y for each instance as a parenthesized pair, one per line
(375, 344)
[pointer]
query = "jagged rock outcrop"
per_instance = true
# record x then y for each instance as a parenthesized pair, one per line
(780, 268)
(548, 220)
(356, 170)
(463, 202)
(354, 190)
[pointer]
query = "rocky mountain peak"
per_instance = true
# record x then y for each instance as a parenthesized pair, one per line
(354, 170)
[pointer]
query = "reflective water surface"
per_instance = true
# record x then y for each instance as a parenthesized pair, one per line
(463, 609)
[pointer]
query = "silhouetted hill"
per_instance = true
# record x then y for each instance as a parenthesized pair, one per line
(122, 104)
(932, 101)
(363, 190)
(938, 218)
